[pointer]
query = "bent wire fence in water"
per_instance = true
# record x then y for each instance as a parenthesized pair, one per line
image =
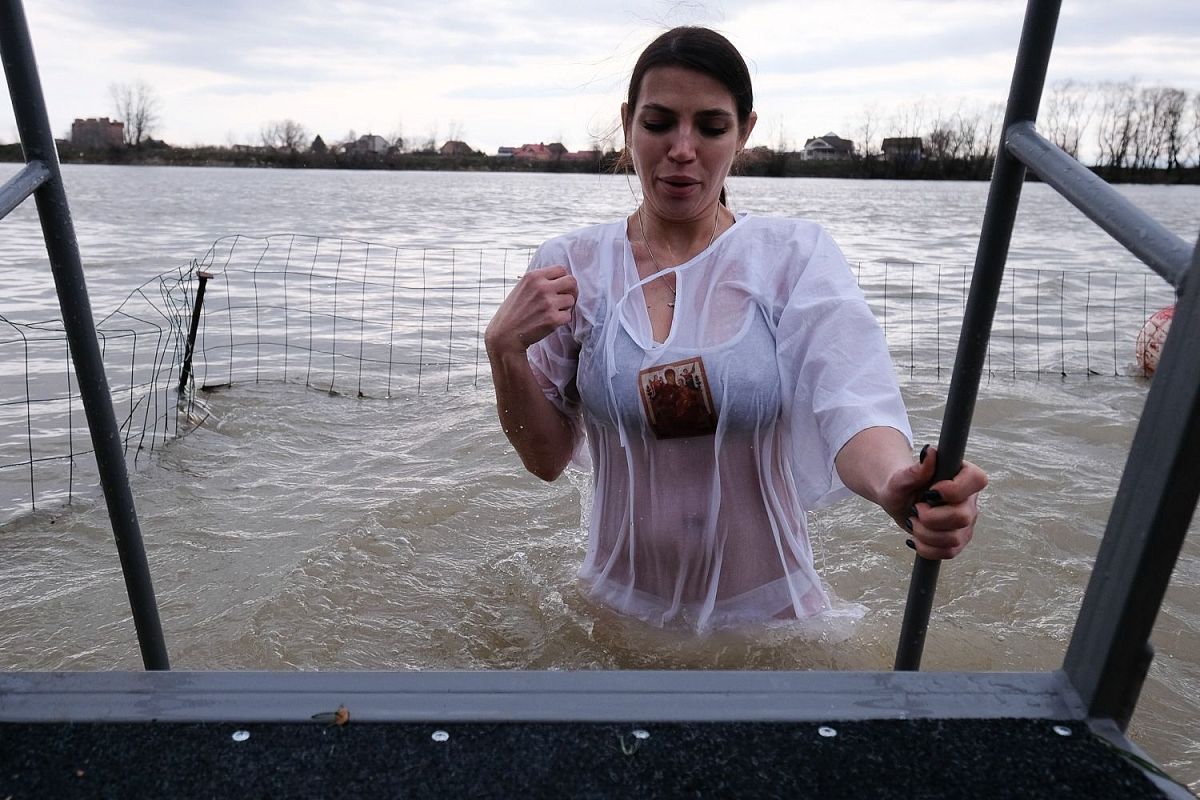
(374, 321)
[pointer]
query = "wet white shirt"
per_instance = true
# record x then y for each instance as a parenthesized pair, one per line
(708, 448)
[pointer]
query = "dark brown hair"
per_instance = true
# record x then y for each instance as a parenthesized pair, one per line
(705, 51)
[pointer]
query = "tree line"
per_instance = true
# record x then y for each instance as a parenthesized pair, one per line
(1122, 127)
(1109, 124)
(1134, 126)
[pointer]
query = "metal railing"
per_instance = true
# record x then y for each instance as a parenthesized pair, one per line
(42, 179)
(1109, 652)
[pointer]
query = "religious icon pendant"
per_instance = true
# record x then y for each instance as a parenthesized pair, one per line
(677, 399)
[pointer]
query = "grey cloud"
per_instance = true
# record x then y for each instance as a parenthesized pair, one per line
(243, 38)
(1103, 24)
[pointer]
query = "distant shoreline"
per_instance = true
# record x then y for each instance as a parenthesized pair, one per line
(775, 165)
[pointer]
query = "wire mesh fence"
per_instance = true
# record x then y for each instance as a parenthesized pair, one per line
(1048, 322)
(348, 316)
(45, 444)
(363, 319)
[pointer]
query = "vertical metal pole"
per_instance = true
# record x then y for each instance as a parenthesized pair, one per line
(1025, 93)
(29, 108)
(186, 372)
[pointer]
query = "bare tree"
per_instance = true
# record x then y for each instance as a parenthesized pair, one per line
(136, 105)
(908, 121)
(941, 139)
(429, 143)
(284, 134)
(396, 137)
(988, 136)
(1173, 136)
(967, 133)
(868, 131)
(1148, 128)
(1117, 121)
(1065, 114)
(781, 142)
(1195, 133)
(455, 132)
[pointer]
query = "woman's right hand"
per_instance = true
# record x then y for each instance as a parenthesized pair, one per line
(541, 301)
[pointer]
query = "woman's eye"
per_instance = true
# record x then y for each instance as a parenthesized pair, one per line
(714, 132)
(655, 126)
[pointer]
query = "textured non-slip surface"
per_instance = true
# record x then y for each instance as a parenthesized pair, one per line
(863, 759)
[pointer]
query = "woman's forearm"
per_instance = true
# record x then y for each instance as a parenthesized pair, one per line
(540, 302)
(940, 516)
(868, 461)
(542, 436)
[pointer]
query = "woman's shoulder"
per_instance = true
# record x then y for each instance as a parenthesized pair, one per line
(790, 232)
(581, 244)
(789, 253)
(791, 247)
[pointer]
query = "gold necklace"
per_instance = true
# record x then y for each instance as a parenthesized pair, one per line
(658, 266)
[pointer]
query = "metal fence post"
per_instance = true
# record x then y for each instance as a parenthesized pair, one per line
(186, 371)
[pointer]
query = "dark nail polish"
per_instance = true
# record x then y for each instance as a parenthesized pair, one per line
(910, 544)
(924, 452)
(908, 524)
(912, 511)
(933, 497)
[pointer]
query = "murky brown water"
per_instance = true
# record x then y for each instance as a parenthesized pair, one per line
(295, 530)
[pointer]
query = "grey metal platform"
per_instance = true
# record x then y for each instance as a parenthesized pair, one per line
(579, 734)
(598, 696)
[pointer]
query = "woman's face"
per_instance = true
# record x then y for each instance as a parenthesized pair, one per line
(683, 136)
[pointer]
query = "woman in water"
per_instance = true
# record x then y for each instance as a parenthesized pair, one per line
(701, 486)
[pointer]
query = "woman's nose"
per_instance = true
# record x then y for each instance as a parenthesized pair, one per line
(683, 145)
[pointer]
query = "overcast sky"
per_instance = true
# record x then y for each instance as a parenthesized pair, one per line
(544, 70)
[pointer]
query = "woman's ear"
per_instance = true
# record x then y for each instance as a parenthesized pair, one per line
(749, 127)
(625, 121)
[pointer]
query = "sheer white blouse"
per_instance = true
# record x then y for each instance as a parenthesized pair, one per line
(708, 448)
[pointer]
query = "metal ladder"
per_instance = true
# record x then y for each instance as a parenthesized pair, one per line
(1109, 652)
(42, 179)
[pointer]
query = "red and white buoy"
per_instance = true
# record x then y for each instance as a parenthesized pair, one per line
(1151, 338)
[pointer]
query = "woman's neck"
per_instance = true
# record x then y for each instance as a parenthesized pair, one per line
(669, 243)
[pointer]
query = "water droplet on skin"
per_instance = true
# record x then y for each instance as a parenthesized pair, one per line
(241, 736)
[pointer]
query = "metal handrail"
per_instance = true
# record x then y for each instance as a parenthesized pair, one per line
(20, 186)
(1008, 175)
(42, 178)
(1109, 653)
(1147, 238)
